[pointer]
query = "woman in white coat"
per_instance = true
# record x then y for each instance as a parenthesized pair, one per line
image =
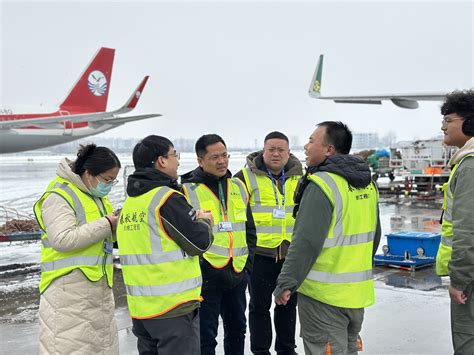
(76, 312)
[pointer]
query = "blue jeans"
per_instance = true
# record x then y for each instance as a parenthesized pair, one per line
(230, 304)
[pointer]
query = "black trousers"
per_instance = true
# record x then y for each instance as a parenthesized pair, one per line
(230, 304)
(262, 284)
(171, 336)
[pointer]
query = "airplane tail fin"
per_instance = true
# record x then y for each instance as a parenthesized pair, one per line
(315, 86)
(133, 99)
(91, 91)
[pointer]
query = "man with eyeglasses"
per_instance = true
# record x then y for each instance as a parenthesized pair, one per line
(456, 252)
(271, 177)
(226, 264)
(160, 237)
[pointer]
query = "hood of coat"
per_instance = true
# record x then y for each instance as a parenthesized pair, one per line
(257, 166)
(64, 171)
(200, 176)
(146, 179)
(354, 169)
(468, 148)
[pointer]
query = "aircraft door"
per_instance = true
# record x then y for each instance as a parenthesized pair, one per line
(68, 126)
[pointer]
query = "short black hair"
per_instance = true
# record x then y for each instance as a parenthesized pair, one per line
(95, 159)
(149, 149)
(206, 140)
(338, 135)
(276, 135)
(460, 102)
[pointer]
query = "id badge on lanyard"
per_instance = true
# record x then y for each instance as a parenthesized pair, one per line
(108, 247)
(224, 226)
(278, 213)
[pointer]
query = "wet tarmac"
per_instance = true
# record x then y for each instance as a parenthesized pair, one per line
(19, 280)
(411, 314)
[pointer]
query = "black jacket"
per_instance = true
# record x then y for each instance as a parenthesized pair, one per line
(225, 277)
(178, 216)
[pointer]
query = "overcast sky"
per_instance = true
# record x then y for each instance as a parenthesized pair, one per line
(242, 69)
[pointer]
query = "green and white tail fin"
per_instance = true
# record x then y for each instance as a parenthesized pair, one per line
(315, 86)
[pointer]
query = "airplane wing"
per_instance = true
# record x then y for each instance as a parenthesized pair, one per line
(409, 101)
(97, 118)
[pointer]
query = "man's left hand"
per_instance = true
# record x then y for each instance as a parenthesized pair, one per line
(284, 298)
(457, 296)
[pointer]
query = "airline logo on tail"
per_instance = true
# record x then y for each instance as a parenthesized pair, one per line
(97, 83)
(81, 114)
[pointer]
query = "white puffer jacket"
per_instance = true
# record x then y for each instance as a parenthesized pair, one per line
(76, 315)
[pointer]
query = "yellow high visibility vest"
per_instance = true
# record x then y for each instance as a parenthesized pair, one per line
(271, 230)
(157, 273)
(342, 273)
(93, 261)
(446, 246)
(229, 229)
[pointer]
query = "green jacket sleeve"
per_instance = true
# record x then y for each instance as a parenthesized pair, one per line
(309, 233)
(461, 266)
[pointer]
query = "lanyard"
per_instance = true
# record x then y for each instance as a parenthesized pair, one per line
(222, 198)
(275, 188)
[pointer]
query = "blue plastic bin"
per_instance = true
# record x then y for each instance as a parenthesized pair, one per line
(398, 243)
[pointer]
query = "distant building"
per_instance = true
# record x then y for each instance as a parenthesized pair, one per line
(365, 140)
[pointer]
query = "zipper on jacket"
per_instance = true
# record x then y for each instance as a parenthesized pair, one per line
(104, 262)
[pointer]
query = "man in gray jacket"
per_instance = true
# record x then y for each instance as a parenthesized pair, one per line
(456, 253)
(271, 179)
(336, 233)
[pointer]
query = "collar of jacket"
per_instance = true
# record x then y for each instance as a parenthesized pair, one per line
(354, 169)
(146, 179)
(200, 176)
(64, 171)
(258, 167)
(467, 148)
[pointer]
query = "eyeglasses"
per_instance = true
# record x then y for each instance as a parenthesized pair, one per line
(108, 181)
(274, 150)
(216, 157)
(176, 155)
(445, 121)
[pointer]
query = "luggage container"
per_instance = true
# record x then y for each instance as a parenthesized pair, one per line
(409, 250)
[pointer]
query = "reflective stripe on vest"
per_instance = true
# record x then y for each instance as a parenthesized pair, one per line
(158, 275)
(342, 273)
(74, 261)
(446, 246)
(164, 290)
(230, 244)
(340, 278)
(91, 260)
(271, 231)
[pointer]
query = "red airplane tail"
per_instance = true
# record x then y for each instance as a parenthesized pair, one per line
(91, 91)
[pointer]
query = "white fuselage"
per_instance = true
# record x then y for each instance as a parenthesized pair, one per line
(24, 139)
